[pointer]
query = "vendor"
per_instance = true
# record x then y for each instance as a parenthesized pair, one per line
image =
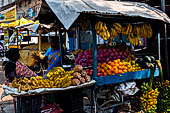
(52, 55)
(15, 68)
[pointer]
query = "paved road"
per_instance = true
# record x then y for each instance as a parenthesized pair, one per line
(2, 77)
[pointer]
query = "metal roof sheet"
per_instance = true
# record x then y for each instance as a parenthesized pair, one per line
(67, 11)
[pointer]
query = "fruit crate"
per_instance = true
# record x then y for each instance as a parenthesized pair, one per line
(111, 79)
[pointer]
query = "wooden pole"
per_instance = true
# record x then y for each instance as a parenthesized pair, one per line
(28, 36)
(39, 39)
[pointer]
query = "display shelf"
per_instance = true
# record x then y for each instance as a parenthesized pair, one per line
(118, 78)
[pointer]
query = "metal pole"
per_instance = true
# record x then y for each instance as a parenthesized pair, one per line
(159, 48)
(165, 41)
(60, 44)
(17, 37)
(163, 5)
(94, 53)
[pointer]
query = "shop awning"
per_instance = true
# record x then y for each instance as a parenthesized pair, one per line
(19, 23)
(67, 11)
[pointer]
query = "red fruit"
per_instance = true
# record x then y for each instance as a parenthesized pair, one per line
(90, 73)
(116, 53)
(98, 74)
(120, 53)
(113, 50)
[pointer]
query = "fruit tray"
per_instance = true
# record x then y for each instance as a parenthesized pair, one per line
(118, 78)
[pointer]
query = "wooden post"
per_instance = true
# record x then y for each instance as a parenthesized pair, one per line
(28, 36)
(39, 39)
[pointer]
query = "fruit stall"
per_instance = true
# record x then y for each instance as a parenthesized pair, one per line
(116, 30)
(122, 32)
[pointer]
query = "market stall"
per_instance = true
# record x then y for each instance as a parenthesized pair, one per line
(110, 20)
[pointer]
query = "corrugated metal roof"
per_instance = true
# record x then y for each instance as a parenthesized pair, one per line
(67, 11)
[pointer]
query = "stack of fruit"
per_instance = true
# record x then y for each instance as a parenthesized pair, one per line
(24, 84)
(57, 78)
(164, 96)
(116, 67)
(104, 55)
(148, 98)
(146, 61)
(79, 76)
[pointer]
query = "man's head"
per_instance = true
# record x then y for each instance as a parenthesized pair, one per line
(13, 54)
(54, 42)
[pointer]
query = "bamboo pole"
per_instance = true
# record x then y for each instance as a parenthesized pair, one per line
(39, 39)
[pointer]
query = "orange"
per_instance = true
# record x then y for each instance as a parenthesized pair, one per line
(120, 71)
(105, 74)
(102, 70)
(114, 67)
(105, 68)
(120, 67)
(112, 64)
(113, 73)
(109, 62)
(110, 73)
(99, 64)
(121, 64)
(118, 60)
(115, 61)
(116, 71)
(103, 65)
(117, 65)
(125, 71)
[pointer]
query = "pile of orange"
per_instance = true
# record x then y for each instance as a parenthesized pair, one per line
(117, 66)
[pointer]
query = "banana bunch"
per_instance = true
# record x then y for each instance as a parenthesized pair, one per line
(134, 37)
(102, 30)
(117, 27)
(127, 29)
(149, 98)
(24, 84)
(164, 97)
(59, 78)
(76, 52)
(113, 33)
(146, 31)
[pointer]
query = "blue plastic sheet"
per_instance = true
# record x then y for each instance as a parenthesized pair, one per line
(118, 78)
